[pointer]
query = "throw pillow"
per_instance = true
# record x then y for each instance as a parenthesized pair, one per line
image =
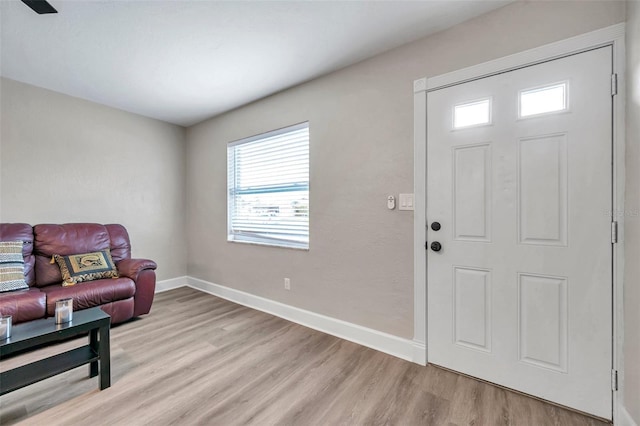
(77, 268)
(11, 266)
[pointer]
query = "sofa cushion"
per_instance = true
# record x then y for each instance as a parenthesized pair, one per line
(120, 245)
(23, 305)
(120, 310)
(70, 238)
(11, 266)
(22, 232)
(90, 294)
(77, 268)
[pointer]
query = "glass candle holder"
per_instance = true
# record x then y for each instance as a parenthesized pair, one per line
(5, 327)
(64, 311)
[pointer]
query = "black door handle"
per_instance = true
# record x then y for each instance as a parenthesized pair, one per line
(435, 226)
(436, 246)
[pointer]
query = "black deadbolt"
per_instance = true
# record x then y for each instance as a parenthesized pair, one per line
(435, 226)
(436, 246)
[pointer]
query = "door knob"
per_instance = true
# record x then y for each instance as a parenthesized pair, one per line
(436, 246)
(435, 226)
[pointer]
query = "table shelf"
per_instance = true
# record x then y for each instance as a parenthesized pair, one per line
(43, 369)
(34, 334)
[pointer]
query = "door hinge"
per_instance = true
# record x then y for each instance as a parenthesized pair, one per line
(614, 232)
(614, 380)
(614, 84)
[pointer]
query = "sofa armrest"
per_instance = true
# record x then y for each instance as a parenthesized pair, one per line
(142, 272)
(130, 268)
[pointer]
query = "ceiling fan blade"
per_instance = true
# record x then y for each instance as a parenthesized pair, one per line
(40, 6)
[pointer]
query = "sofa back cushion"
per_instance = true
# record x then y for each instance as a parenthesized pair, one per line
(75, 238)
(120, 244)
(22, 232)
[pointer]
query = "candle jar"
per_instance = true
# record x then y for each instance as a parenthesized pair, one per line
(64, 310)
(5, 327)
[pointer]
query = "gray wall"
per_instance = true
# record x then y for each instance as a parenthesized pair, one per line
(632, 218)
(69, 160)
(359, 266)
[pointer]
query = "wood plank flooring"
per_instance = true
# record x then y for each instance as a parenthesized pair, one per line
(201, 360)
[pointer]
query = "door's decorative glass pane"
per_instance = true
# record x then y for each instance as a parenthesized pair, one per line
(472, 114)
(543, 100)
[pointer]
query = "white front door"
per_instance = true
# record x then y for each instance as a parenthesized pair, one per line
(519, 179)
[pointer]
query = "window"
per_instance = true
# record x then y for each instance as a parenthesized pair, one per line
(543, 100)
(470, 114)
(268, 188)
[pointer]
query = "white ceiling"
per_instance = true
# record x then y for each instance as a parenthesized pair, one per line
(185, 61)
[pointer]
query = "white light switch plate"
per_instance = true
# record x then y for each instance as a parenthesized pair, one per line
(405, 202)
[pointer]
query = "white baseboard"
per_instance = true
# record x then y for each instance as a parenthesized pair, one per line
(383, 342)
(624, 418)
(170, 284)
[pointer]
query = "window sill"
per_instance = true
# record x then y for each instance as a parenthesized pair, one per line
(266, 244)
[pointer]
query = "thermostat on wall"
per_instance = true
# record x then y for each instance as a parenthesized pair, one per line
(391, 202)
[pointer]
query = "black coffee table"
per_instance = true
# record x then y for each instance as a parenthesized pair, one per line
(33, 334)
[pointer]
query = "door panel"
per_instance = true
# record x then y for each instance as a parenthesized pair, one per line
(542, 190)
(472, 309)
(520, 292)
(472, 193)
(543, 321)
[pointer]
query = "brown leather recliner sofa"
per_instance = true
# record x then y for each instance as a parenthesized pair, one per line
(122, 298)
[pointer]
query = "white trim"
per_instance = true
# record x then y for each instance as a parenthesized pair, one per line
(383, 342)
(419, 353)
(614, 36)
(624, 418)
(420, 222)
(619, 141)
(593, 39)
(170, 284)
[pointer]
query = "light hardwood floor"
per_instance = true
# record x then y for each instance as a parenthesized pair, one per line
(198, 359)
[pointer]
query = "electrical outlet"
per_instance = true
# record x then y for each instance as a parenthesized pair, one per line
(287, 284)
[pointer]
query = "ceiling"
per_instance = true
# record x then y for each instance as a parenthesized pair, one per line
(185, 61)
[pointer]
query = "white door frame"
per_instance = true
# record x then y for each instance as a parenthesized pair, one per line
(609, 36)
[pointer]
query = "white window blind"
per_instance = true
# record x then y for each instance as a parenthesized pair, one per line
(268, 183)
